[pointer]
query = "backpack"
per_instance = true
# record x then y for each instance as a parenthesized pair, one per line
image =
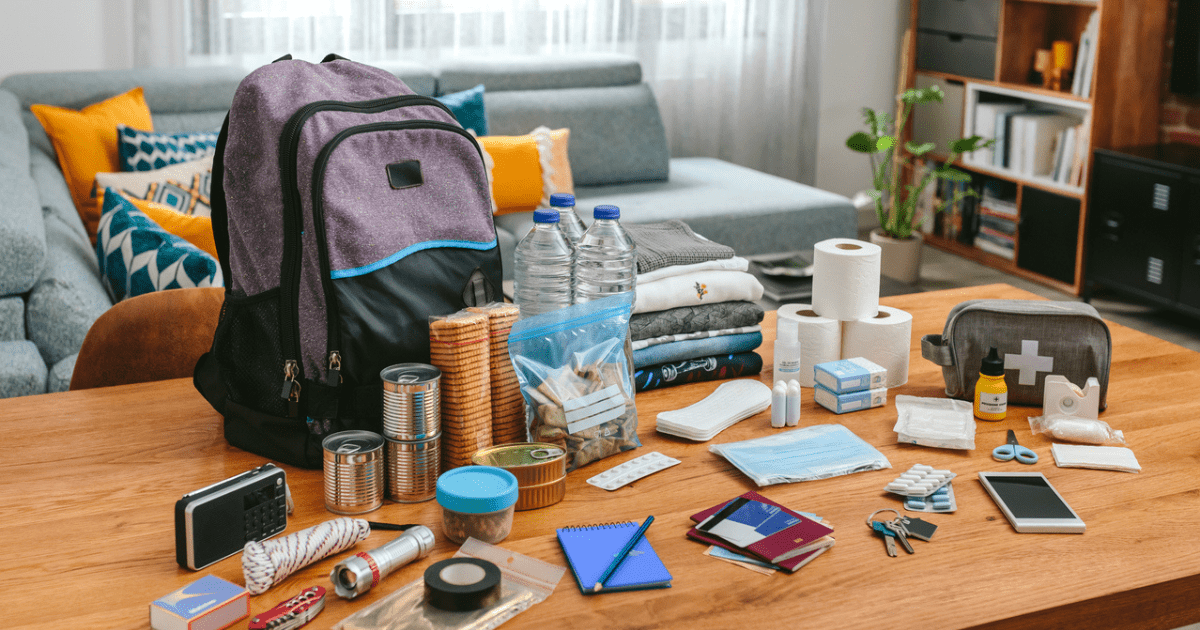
(346, 211)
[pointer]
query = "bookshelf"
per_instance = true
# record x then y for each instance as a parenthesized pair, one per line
(1120, 109)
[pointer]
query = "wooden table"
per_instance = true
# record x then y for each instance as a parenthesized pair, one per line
(90, 479)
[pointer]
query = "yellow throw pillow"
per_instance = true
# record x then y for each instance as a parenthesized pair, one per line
(560, 166)
(525, 170)
(195, 230)
(86, 144)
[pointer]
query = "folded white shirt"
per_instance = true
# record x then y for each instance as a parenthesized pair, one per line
(736, 263)
(697, 288)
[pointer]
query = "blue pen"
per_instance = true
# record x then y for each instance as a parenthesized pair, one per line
(621, 556)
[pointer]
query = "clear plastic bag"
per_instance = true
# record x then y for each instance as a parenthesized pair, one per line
(935, 422)
(576, 378)
(1083, 430)
(816, 452)
(524, 582)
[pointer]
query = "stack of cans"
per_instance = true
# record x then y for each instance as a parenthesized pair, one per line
(353, 472)
(412, 430)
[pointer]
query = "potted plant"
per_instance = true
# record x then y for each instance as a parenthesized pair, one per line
(896, 202)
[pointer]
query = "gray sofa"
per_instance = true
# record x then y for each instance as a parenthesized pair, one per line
(50, 291)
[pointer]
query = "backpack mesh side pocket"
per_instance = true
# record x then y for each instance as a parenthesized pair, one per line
(247, 349)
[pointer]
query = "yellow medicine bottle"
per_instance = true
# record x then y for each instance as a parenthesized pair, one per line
(991, 392)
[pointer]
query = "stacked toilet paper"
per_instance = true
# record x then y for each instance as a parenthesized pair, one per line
(845, 319)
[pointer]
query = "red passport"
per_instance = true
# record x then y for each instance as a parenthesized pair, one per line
(788, 549)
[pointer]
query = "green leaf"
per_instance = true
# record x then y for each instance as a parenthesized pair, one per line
(861, 142)
(919, 149)
(877, 122)
(884, 143)
(929, 94)
(966, 145)
(952, 174)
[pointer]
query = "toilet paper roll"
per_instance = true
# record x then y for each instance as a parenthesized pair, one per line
(846, 279)
(884, 340)
(820, 337)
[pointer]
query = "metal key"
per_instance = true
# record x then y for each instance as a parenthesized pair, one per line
(888, 537)
(897, 527)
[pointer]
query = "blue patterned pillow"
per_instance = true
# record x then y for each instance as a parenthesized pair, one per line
(467, 107)
(137, 256)
(149, 151)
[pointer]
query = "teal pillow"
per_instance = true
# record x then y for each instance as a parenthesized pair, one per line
(149, 151)
(467, 107)
(137, 256)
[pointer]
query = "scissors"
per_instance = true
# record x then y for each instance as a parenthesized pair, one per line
(1012, 450)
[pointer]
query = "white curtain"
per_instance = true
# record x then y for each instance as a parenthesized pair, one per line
(735, 79)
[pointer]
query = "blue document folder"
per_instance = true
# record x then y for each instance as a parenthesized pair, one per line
(590, 549)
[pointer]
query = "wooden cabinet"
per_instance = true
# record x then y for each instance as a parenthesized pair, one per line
(1121, 108)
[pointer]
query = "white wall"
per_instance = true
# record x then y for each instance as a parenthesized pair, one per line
(859, 66)
(52, 35)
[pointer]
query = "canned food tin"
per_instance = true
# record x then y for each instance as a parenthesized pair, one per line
(412, 469)
(541, 495)
(354, 472)
(540, 469)
(411, 401)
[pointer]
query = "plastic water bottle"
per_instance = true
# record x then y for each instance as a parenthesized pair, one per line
(606, 261)
(569, 222)
(543, 267)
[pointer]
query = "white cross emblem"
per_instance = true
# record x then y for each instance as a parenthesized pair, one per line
(1028, 362)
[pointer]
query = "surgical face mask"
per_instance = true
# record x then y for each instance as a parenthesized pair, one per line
(816, 452)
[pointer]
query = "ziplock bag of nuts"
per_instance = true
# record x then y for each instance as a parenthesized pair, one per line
(574, 374)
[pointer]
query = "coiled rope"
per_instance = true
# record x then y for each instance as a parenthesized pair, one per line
(267, 563)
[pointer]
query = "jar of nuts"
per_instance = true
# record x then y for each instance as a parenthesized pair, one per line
(477, 502)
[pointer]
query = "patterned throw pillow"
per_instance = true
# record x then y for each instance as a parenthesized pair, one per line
(137, 256)
(183, 187)
(467, 107)
(149, 151)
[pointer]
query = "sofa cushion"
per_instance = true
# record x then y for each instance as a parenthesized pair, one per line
(148, 151)
(194, 229)
(184, 187)
(59, 379)
(617, 135)
(505, 73)
(22, 234)
(138, 257)
(85, 142)
(467, 107)
(22, 370)
(12, 318)
(68, 296)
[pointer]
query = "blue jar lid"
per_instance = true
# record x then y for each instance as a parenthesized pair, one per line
(562, 200)
(545, 215)
(477, 489)
(606, 212)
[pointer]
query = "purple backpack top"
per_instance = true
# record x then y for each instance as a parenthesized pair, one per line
(346, 210)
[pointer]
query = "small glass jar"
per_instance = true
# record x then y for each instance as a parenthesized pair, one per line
(477, 502)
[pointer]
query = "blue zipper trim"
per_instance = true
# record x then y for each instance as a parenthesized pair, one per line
(571, 323)
(411, 249)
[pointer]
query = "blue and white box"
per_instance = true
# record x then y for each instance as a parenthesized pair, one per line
(850, 401)
(209, 603)
(850, 375)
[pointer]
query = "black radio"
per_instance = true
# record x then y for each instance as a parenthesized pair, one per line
(216, 522)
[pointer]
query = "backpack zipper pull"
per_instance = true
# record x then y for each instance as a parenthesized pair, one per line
(290, 368)
(333, 376)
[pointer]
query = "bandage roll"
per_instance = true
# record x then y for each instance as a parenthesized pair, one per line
(884, 340)
(846, 279)
(820, 337)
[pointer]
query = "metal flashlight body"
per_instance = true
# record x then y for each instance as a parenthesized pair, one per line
(359, 573)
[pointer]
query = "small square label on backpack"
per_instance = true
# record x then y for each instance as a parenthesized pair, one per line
(405, 174)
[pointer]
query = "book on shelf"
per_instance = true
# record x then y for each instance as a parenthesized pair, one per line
(1041, 136)
(1085, 60)
(1064, 154)
(1082, 138)
(987, 115)
(983, 244)
(1003, 225)
(999, 237)
(1022, 138)
(810, 544)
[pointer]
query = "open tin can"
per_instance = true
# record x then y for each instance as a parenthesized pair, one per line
(354, 472)
(540, 469)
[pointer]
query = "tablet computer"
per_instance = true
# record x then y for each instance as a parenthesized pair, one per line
(1030, 503)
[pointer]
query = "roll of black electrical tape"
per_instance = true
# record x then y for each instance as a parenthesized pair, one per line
(462, 584)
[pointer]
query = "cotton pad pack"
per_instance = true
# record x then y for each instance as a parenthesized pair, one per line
(731, 403)
(935, 422)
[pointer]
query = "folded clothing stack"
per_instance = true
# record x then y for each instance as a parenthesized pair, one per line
(694, 317)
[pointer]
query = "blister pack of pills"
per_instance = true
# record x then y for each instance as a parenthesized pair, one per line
(920, 481)
(632, 470)
(940, 501)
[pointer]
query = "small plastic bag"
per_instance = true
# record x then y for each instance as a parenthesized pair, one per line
(576, 378)
(935, 422)
(816, 452)
(1083, 430)
(524, 582)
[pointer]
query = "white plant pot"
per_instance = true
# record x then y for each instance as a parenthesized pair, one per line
(900, 259)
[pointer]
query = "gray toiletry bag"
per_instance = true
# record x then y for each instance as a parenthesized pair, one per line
(1035, 338)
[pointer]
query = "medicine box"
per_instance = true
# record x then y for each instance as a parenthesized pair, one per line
(850, 401)
(850, 375)
(209, 603)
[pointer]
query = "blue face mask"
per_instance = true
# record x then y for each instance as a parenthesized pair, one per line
(816, 452)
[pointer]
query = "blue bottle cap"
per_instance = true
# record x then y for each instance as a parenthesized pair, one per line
(562, 200)
(545, 215)
(606, 212)
(477, 489)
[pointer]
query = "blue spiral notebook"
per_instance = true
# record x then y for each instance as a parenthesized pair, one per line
(591, 548)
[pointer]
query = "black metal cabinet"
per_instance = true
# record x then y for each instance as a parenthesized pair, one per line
(1144, 224)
